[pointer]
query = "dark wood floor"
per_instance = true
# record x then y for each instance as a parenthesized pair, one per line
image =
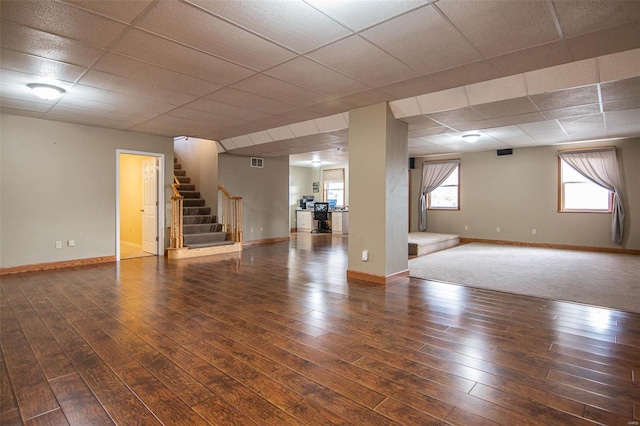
(279, 337)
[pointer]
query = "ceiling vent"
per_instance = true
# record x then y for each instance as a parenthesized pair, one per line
(257, 162)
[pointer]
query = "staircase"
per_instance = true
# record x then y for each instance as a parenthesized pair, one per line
(200, 228)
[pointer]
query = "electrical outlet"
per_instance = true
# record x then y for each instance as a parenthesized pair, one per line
(466, 227)
(71, 243)
(252, 229)
(58, 244)
(533, 231)
(498, 229)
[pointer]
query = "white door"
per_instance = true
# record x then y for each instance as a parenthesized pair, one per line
(150, 206)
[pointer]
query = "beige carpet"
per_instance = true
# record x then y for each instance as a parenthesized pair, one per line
(599, 279)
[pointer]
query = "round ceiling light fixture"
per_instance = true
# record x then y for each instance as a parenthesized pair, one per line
(46, 91)
(471, 137)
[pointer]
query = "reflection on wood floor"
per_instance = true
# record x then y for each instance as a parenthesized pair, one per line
(277, 336)
(129, 251)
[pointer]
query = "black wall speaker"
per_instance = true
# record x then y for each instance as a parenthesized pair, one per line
(507, 151)
(412, 163)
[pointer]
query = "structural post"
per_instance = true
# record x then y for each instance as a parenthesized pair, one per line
(378, 195)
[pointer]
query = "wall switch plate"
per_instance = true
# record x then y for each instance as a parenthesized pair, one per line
(534, 231)
(58, 244)
(365, 255)
(498, 229)
(71, 243)
(466, 227)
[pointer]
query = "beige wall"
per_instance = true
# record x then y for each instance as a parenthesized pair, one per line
(58, 182)
(131, 198)
(264, 192)
(519, 192)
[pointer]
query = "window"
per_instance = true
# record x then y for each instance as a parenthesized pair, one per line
(333, 183)
(447, 195)
(579, 194)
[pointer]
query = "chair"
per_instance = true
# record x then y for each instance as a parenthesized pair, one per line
(321, 214)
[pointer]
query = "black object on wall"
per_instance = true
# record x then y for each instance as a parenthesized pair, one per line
(507, 151)
(412, 163)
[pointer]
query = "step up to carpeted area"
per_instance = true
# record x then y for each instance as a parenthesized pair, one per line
(200, 229)
(421, 243)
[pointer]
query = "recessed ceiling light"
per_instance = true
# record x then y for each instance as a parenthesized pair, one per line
(471, 137)
(46, 91)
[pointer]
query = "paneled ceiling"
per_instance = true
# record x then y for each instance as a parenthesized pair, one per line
(277, 77)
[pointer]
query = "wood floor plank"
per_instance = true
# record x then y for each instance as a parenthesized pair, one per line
(30, 387)
(79, 404)
(277, 337)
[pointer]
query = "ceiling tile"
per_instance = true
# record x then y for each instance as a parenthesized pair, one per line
(296, 25)
(331, 123)
(213, 35)
(514, 25)
(548, 138)
(363, 61)
(304, 128)
(281, 133)
(566, 98)
(34, 113)
(506, 108)
(540, 127)
(308, 74)
(249, 100)
(616, 118)
(496, 90)
(625, 130)
(260, 137)
(206, 117)
(123, 66)
(279, 90)
(572, 111)
(424, 40)
(142, 110)
(330, 107)
(604, 42)
(42, 67)
(623, 89)
(564, 76)
(274, 121)
(579, 17)
(578, 124)
(358, 14)
(532, 58)
(461, 115)
(419, 122)
(149, 48)
(36, 107)
(619, 66)
(242, 141)
(366, 97)
(439, 130)
(125, 11)
(622, 104)
(443, 100)
(464, 74)
(301, 114)
(411, 87)
(225, 110)
(63, 20)
(123, 85)
(405, 108)
(14, 85)
(48, 46)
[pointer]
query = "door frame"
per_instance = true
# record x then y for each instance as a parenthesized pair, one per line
(160, 217)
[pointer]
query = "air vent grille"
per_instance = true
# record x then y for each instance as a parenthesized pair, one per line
(257, 162)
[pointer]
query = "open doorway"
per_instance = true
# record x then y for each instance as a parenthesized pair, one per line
(138, 198)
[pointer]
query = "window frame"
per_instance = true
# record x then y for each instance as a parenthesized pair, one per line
(325, 189)
(561, 192)
(428, 201)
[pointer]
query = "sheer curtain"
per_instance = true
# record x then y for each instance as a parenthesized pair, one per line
(600, 166)
(433, 174)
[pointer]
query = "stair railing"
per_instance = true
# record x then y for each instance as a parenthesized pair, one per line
(231, 216)
(177, 221)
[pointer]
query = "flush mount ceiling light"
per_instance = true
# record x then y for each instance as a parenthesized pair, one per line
(471, 137)
(46, 91)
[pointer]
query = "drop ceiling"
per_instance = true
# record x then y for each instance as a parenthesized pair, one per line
(278, 77)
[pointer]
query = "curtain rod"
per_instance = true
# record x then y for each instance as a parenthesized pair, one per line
(600, 148)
